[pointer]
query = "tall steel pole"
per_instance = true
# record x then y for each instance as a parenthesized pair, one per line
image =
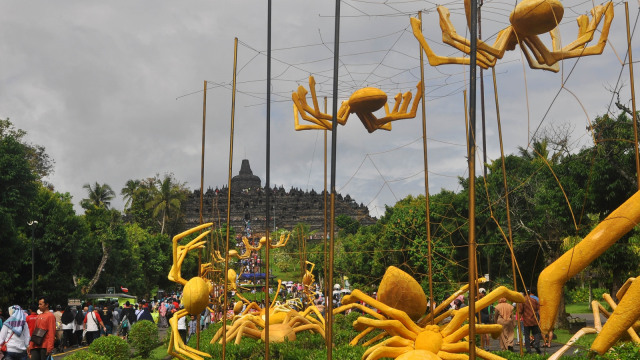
(633, 95)
(268, 184)
(473, 33)
(226, 250)
(334, 137)
(33, 252)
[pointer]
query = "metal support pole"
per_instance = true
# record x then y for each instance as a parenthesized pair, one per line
(204, 125)
(633, 95)
(473, 33)
(432, 305)
(334, 137)
(268, 184)
(226, 250)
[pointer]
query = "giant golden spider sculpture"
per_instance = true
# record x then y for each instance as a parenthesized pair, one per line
(254, 327)
(195, 293)
(553, 277)
(277, 315)
(529, 19)
(401, 291)
(411, 341)
(363, 102)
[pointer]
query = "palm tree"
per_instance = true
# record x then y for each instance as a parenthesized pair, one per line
(167, 199)
(128, 192)
(99, 196)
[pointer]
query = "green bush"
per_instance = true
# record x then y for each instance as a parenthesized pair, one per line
(85, 355)
(144, 337)
(112, 347)
(581, 295)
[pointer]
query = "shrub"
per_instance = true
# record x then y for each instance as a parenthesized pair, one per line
(85, 355)
(111, 347)
(581, 295)
(144, 337)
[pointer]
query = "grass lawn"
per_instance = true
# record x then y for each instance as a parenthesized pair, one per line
(583, 308)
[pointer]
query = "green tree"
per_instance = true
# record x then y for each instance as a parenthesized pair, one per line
(18, 189)
(128, 192)
(166, 201)
(99, 196)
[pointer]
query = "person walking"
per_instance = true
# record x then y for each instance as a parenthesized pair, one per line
(504, 317)
(68, 327)
(529, 313)
(92, 324)
(15, 334)
(79, 325)
(106, 316)
(40, 349)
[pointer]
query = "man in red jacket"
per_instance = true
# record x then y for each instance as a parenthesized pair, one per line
(45, 321)
(31, 318)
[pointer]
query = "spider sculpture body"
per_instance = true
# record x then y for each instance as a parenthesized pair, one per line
(411, 341)
(553, 277)
(529, 19)
(363, 102)
(195, 296)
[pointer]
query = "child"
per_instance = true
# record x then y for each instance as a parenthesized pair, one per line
(193, 324)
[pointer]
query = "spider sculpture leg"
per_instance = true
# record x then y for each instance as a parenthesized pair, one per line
(400, 108)
(434, 60)
(624, 315)
(176, 346)
(576, 49)
(487, 55)
(392, 347)
(463, 314)
(249, 329)
(586, 330)
(174, 273)
(553, 277)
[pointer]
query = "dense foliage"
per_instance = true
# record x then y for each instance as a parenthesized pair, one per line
(144, 337)
(111, 347)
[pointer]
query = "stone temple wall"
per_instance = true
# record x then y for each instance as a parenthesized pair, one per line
(288, 207)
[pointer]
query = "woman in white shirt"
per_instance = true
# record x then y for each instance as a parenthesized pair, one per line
(15, 334)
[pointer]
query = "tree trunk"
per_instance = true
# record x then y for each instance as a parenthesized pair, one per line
(96, 276)
(562, 322)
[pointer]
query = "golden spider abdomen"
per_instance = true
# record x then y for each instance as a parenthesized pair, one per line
(195, 295)
(534, 17)
(367, 100)
(418, 355)
(429, 340)
(401, 291)
(279, 333)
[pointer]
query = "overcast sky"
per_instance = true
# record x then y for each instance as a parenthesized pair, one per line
(113, 90)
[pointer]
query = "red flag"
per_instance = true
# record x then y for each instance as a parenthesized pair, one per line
(124, 289)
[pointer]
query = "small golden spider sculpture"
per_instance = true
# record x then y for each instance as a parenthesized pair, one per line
(195, 293)
(254, 327)
(282, 241)
(217, 256)
(529, 19)
(307, 282)
(552, 279)
(431, 342)
(363, 102)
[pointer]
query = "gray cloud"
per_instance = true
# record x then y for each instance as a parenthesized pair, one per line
(101, 85)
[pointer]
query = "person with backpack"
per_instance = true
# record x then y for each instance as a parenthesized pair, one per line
(92, 324)
(128, 316)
